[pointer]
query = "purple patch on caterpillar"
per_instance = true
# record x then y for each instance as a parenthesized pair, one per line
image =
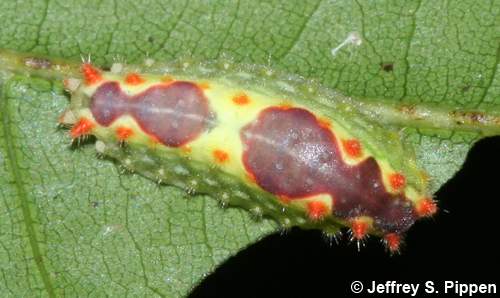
(290, 154)
(174, 114)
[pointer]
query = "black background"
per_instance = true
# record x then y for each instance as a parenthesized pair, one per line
(459, 243)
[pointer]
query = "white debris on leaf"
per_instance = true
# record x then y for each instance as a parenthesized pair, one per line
(353, 38)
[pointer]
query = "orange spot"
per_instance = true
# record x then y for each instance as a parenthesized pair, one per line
(359, 229)
(83, 127)
(204, 85)
(393, 241)
(316, 210)
(285, 106)
(241, 99)
(426, 207)
(220, 156)
(325, 123)
(134, 79)
(167, 79)
(397, 181)
(123, 133)
(352, 147)
(251, 177)
(284, 199)
(186, 149)
(91, 74)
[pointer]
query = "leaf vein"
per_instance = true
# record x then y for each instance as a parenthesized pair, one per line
(13, 162)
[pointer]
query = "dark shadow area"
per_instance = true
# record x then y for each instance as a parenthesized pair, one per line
(459, 244)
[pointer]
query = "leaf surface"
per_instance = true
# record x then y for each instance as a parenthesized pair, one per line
(73, 224)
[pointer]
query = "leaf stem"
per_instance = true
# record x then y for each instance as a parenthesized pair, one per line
(38, 65)
(428, 116)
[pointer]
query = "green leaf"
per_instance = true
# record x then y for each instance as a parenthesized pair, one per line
(72, 224)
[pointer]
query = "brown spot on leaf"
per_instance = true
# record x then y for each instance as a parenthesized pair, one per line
(387, 66)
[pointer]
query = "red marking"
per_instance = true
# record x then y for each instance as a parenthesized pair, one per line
(284, 199)
(220, 156)
(83, 127)
(251, 177)
(123, 133)
(352, 147)
(241, 99)
(426, 207)
(325, 123)
(91, 74)
(316, 210)
(171, 114)
(359, 229)
(134, 79)
(393, 241)
(397, 181)
(298, 158)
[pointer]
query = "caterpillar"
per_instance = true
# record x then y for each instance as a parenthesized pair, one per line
(277, 145)
(280, 147)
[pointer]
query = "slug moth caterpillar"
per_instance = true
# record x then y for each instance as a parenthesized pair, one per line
(278, 146)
